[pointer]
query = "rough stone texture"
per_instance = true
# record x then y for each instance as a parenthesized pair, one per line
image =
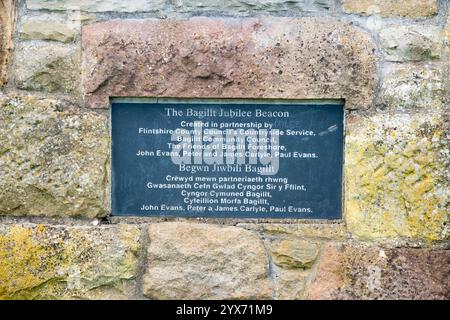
(8, 18)
(293, 266)
(359, 272)
(48, 67)
(404, 8)
(447, 30)
(47, 30)
(54, 159)
(407, 87)
(396, 178)
(202, 261)
(250, 6)
(234, 58)
(448, 26)
(291, 284)
(294, 254)
(411, 43)
(54, 155)
(244, 7)
(60, 262)
(97, 6)
(326, 231)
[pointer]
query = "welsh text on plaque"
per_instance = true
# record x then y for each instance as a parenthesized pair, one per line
(247, 160)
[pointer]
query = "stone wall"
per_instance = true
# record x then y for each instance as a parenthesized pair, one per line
(61, 60)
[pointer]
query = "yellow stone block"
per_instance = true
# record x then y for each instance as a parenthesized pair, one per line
(56, 262)
(404, 197)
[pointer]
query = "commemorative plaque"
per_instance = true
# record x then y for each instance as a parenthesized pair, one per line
(227, 159)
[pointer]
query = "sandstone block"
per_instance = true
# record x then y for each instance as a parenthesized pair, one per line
(294, 254)
(200, 261)
(46, 30)
(393, 8)
(53, 158)
(411, 43)
(250, 6)
(47, 67)
(407, 87)
(326, 231)
(228, 58)
(97, 6)
(360, 272)
(396, 178)
(60, 262)
(8, 17)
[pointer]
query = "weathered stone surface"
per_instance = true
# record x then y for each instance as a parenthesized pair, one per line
(293, 266)
(201, 261)
(53, 159)
(250, 6)
(46, 30)
(396, 178)
(60, 262)
(47, 67)
(227, 6)
(405, 8)
(294, 254)
(448, 26)
(359, 272)
(97, 6)
(8, 18)
(291, 284)
(447, 30)
(234, 58)
(328, 231)
(411, 43)
(407, 87)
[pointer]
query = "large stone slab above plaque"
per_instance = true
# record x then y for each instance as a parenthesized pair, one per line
(227, 159)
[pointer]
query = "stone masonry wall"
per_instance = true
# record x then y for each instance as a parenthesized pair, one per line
(61, 60)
